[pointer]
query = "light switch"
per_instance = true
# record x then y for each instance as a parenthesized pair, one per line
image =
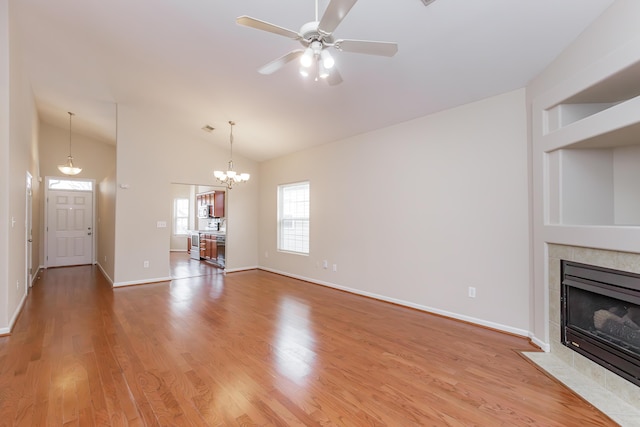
(162, 224)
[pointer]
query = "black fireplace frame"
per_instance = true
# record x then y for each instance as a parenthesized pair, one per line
(621, 285)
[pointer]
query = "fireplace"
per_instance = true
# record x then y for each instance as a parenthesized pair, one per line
(600, 316)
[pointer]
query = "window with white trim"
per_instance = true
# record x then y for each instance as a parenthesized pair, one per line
(180, 216)
(293, 217)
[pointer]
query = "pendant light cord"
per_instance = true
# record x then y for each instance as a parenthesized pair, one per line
(70, 115)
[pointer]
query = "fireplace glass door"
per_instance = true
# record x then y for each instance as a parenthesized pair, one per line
(601, 316)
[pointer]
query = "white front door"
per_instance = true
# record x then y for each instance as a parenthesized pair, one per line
(70, 228)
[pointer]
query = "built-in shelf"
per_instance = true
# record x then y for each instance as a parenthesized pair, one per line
(590, 137)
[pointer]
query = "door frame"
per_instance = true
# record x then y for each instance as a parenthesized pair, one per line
(46, 216)
(28, 213)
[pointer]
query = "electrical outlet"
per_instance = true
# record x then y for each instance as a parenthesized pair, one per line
(17, 285)
(266, 254)
(145, 264)
(105, 258)
(325, 264)
(472, 292)
(335, 267)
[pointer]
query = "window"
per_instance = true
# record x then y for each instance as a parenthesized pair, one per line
(180, 216)
(293, 217)
(70, 184)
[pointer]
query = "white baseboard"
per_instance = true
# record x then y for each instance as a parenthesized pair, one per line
(14, 318)
(234, 270)
(141, 282)
(106, 276)
(544, 346)
(481, 322)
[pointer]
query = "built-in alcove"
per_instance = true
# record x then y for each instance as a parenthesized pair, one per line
(618, 88)
(594, 186)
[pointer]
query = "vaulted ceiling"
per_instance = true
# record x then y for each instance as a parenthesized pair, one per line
(191, 64)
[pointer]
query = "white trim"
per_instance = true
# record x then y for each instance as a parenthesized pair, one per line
(35, 275)
(106, 276)
(235, 270)
(544, 346)
(14, 318)
(141, 282)
(481, 322)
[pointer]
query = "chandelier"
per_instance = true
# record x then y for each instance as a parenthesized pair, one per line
(68, 168)
(230, 176)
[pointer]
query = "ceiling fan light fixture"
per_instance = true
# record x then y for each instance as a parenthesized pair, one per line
(327, 60)
(307, 57)
(323, 72)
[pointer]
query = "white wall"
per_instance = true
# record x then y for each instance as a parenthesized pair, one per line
(627, 184)
(418, 212)
(149, 161)
(587, 186)
(614, 29)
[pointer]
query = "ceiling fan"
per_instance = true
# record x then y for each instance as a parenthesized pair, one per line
(316, 37)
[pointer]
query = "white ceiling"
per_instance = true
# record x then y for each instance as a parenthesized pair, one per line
(190, 63)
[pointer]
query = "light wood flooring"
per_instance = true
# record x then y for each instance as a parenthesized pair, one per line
(255, 348)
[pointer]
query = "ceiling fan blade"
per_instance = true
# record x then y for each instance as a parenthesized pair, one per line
(335, 13)
(367, 47)
(334, 77)
(276, 64)
(248, 21)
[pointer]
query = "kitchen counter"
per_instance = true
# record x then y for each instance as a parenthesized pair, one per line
(206, 231)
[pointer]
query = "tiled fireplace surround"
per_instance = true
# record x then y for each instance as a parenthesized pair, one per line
(606, 379)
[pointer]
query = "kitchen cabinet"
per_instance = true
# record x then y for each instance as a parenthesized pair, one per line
(215, 201)
(218, 204)
(208, 248)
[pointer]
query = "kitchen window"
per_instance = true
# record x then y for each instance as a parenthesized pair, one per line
(180, 217)
(293, 217)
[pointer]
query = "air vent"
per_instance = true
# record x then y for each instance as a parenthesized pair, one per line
(208, 128)
(427, 2)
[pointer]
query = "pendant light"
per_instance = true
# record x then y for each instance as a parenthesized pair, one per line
(230, 176)
(68, 168)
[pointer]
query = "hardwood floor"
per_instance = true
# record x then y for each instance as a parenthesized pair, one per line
(254, 348)
(182, 266)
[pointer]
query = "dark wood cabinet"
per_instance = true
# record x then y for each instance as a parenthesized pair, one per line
(218, 204)
(208, 248)
(215, 201)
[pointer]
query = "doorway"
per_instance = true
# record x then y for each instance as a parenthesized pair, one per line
(29, 233)
(69, 219)
(186, 220)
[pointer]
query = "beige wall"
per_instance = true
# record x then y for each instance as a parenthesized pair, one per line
(98, 161)
(4, 166)
(18, 121)
(148, 162)
(96, 158)
(106, 226)
(418, 212)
